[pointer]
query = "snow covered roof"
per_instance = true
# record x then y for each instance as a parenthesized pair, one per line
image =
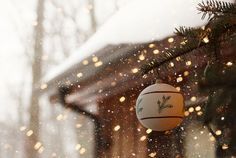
(138, 22)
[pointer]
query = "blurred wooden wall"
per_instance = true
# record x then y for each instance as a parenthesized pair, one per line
(124, 142)
(131, 140)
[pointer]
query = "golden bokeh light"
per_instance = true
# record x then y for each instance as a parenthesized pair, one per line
(43, 86)
(188, 63)
(29, 133)
(117, 128)
(193, 98)
(186, 113)
(95, 59)
(77, 147)
(172, 64)
(78, 125)
(151, 45)
(41, 149)
(59, 117)
(178, 58)
(206, 40)
(37, 145)
(148, 131)
(218, 132)
(82, 151)
(178, 88)
(212, 138)
(22, 128)
(198, 108)
(179, 79)
(85, 62)
(141, 57)
(229, 63)
(156, 51)
(122, 99)
(186, 73)
(153, 154)
(225, 146)
(143, 138)
(171, 39)
(134, 70)
(97, 64)
(79, 75)
(199, 113)
(191, 109)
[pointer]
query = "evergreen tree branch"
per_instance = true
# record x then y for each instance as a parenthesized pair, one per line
(195, 44)
(218, 76)
(191, 33)
(216, 8)
(171, 54)
(212, 132)
(221, 25)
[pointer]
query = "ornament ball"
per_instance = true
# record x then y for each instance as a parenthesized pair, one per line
(160, 107)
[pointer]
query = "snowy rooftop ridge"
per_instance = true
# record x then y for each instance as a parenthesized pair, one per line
(140, 21)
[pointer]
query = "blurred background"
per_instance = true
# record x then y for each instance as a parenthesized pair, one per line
(86, 107)
(46, 32)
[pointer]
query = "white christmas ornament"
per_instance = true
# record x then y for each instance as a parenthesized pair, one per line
(160, 107)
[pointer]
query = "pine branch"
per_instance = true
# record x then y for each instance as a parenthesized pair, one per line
(193, 44)
(213, 7)
(212, 133)
(191, 33)
(218, 30)
(218, 76)
(171, 54)
(221, 25)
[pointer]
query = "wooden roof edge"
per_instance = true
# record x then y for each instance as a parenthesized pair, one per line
(119, 50)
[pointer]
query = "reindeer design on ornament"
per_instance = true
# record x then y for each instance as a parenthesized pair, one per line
(163, 104)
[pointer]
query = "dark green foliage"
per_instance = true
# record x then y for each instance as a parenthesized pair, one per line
(221, 27)
(218, 82)
(191, 33)
(171, 54)
(218, 75)
(216, 8)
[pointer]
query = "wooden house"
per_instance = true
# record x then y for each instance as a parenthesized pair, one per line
(104, 75)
